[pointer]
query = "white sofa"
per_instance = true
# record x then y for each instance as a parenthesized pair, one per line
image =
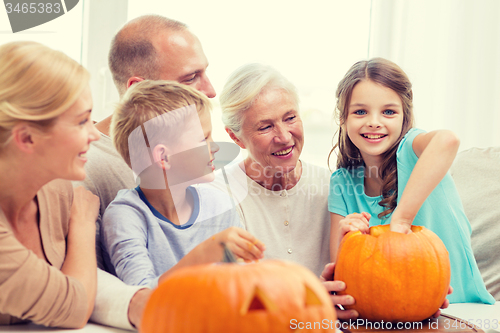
(477, 176)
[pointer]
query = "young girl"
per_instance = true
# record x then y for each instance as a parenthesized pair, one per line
(390, 172)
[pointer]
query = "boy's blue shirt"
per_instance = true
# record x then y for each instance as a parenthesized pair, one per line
(141, 244)
(196, 210)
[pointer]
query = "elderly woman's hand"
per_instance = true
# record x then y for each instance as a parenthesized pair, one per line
(338, 300)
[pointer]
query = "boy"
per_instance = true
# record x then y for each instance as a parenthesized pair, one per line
(162, 129)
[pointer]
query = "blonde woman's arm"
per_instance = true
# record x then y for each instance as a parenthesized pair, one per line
(32, 289)
(80, 261)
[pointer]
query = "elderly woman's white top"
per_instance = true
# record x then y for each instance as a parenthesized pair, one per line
(293, 224)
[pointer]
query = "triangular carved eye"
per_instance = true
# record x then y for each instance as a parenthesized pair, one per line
(258, 301)
(311, 297)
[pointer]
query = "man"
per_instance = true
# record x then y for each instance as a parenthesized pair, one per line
(149, 47)
(171, 52)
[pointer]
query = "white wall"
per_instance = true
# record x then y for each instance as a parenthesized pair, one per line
(64, 33)
(451, 51)
(312, 43)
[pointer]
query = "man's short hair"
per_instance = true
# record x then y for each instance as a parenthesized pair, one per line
(147, 101)
(132, 52)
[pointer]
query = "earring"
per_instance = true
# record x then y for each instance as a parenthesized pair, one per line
(164, 161)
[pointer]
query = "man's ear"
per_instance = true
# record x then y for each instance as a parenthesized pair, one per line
(161, 157)
(134, 79)
(23, 136)
(235, 138)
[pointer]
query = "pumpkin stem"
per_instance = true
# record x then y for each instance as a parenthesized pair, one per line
(228, 255)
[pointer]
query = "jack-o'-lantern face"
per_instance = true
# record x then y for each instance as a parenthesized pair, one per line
(268, 296)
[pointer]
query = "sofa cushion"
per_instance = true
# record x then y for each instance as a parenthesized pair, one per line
(477, 176)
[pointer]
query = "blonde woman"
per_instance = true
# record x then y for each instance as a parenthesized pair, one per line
(47, 230)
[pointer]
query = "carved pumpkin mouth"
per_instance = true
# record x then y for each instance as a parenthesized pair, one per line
(259, 300)
(233, 297)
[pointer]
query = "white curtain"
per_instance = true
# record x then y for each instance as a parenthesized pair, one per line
(449, 48)
(451, 51)
(312, 43)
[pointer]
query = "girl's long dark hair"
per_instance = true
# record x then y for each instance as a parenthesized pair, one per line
(389, 75)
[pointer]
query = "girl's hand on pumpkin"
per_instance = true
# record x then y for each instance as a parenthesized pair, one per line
(355, 222)
(400, 222)
(338, 300)
(401, 226)
(242, 243)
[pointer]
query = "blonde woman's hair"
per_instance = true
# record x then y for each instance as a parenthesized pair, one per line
(143, 102)
(37, 84)
(244, 86)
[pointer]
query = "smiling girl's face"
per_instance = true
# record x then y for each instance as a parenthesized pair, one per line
(374, 120)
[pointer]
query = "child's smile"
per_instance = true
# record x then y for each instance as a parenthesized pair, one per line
(375, 119)
(375, 136)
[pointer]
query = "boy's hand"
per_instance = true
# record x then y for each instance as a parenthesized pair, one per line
(242, 243)
(354, 222)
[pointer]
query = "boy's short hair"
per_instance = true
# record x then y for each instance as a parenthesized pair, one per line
(144, 102)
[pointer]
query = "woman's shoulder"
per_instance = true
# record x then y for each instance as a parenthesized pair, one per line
(314, 173)
(307, 165)
(54, 200)
(59, 189)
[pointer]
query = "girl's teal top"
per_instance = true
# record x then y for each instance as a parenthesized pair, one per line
(442, 212)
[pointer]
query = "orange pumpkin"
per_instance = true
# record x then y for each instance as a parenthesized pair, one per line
(266, 296)
(393, 276)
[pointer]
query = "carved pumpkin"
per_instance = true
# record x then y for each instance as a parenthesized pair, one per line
(393, 276)
(264, 296)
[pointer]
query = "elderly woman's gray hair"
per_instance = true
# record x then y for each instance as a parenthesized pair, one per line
(244, 86)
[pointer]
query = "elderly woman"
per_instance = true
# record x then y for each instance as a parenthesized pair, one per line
(47, 230)
(281, 199)
(286, 204)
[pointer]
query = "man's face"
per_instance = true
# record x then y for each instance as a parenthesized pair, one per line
(182, 60)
